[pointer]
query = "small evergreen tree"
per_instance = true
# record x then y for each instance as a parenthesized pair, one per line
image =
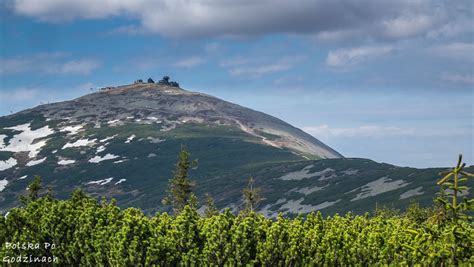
(180, 186)
(458, 175)
(34, 187)
(211, 209)
(251, 195)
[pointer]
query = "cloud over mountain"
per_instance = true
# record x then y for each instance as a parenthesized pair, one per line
(179, 18)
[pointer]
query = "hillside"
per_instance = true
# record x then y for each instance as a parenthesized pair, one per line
(122, 142)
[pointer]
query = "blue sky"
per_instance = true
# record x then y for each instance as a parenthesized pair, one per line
(392, 81)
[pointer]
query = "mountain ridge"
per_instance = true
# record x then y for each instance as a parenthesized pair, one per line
(122, 142)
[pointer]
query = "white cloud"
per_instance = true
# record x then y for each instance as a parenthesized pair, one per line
(407, 26)
(240, 66)
(189, 62)
(50, 63)
(458, 78)
(325, 132)
(351, 56)
(212, 47)
(84, 66)
(182, 18)
(19, 94)
(455, 51)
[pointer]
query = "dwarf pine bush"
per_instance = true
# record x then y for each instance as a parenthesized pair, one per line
(87, 232)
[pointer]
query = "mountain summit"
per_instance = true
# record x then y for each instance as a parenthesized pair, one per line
(171, 106)
(122, 142)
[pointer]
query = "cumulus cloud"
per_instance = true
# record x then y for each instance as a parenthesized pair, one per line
(325, 132)
(408, 26)
(240, 66)
(351, 56)
(189, 62)
(456, 51)
(49, 63)
(181, 18)
(458, 78)
(19, 94)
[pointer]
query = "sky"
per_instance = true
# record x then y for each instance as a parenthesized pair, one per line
(392, 81)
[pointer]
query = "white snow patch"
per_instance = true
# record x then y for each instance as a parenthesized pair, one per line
(54, 151)
(108, 138)
(308, 190)
(130, 138)
(298, 175)
(269, 213)
(35, 162)
(295, 206)
(151, 155)
(100, 149)
(113, 121)
(412, 192)
(325, 174)
(350, 172)
(80, 142)
(378, 187)
(25, 141)
(2, 138)
(7, 164)
(120, 181)
(98, 159)
(155, 140)
(66, 161)
(152, 118)
(72, 130)
(3, 184)
(120, 161)
(102, 182)
(23, 177)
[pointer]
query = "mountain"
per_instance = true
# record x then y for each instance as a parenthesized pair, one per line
(123, 142)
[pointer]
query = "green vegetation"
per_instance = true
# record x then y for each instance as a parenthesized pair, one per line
(180, 186)
(251, 196)
(84, 231)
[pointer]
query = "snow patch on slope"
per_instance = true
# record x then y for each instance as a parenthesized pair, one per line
(2, 138)
(379, 186)
(108, 138)
(98, 159)
(66, 161)
(295, 206)
(7, 164)
(130, 138)
(72, 129)
(305, 173)
(80, 142)
(35, 162)
(412, 192)
(3, 184)
(120, 181)
(298, 175)
(25, 140)
(309, 190)
(101, 182)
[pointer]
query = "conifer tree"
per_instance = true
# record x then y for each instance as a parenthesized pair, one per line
(211, 209)
(251, 195)
(34, 187)
(180, 186)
